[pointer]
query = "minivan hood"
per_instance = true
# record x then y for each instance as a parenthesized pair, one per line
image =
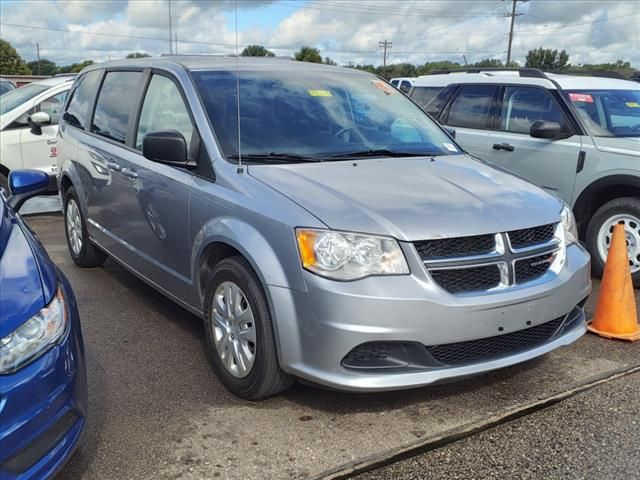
(621, 145)
(413, 198)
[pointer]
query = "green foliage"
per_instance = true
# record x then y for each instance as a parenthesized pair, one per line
(308, 54)
(10, 62)
(256, 51)
(329, 61)
(137, 55)
(47, 67)
(547, 59)
(619, 66)
(75, 67)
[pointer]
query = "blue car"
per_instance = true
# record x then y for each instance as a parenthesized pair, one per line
(43, 389)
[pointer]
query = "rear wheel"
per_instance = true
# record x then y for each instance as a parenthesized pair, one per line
(625, 211)
(240, 337)
(82, 251)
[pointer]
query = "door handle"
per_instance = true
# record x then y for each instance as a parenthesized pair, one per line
(503, 146)
(112, 166)
(129, 173)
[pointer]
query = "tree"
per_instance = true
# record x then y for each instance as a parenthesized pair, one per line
(308, 54)
(137, 55)
(441, 65)
(547, 59)
(619, 66)
(75, 67)
(47, 67)
(329, 61)
(488, 62)
(10, 62)
(256, 51)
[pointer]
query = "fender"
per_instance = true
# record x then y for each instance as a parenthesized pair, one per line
(256, 249)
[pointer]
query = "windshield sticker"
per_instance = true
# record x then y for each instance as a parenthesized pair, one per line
(450, 147)
(581, 97)
(384, 86)
(320, 93)
(632, 104)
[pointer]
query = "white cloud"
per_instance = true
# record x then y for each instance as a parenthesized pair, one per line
(348, 31)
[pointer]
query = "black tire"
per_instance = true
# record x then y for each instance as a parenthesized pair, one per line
(626, 205)
(89, 255)
(265, 378)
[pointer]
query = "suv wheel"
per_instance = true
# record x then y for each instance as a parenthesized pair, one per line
(620, 210)
(82, 251)
(239, 332)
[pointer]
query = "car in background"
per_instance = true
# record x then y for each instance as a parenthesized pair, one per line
(29, 118)
(403, 84)
(577, 134)
(6, 85)
(338, 234)
(43, 389)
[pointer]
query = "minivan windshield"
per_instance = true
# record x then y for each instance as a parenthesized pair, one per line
(608, 113)
(17, 97)
(321, 115)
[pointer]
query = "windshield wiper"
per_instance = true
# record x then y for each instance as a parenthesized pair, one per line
(383, 153)
(275, 157)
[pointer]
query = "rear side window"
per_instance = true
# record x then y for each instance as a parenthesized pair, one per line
(423, 96)
(117, 101)
(78, 108)
(471, 107)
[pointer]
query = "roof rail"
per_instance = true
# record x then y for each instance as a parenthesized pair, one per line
(591, 73)
(523, 71)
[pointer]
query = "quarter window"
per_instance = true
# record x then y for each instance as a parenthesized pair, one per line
(523, 106)
(471, 107)
(116, 102)
(78, 109)
(423, 96)
(163, 109)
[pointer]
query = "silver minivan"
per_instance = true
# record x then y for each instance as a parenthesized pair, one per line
(320, 223)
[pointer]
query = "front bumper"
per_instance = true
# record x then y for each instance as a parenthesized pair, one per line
(43, 407)
(316, 329)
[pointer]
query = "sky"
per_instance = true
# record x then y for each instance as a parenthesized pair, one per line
(69, 31)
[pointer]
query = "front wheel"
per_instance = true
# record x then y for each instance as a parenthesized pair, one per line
(239, 331)
(600, 231)
(82, 251)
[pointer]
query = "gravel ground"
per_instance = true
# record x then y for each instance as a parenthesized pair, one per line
(594, 435)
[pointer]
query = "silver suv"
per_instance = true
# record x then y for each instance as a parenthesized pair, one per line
(577, 135)
(335, 233)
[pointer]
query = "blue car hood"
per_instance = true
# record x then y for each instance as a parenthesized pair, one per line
(21, 294)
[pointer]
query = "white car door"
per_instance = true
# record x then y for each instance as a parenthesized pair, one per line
(39, 148)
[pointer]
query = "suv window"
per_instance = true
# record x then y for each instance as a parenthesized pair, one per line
(78, 108)
(163, 109)
(471, 106)
(521, 106)
(423, 96)
(116, 101)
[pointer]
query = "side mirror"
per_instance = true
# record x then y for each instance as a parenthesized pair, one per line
(37, 120)
(549, 130)
(450, 131)
(165, 146)
(25, 184)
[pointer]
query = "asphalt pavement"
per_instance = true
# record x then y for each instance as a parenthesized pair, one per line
(157, 411)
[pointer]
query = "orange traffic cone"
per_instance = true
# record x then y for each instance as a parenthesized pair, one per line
(616, 315)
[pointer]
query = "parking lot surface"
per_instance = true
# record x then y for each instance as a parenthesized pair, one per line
(157, 411)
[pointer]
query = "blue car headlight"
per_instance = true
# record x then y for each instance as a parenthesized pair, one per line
(34, 337)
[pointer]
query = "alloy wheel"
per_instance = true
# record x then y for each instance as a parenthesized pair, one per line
(74, 226)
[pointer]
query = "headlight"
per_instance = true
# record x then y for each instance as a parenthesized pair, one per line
(569, 225)
(349, 256)
(34, 336)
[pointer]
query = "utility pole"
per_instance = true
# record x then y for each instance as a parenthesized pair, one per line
(386, 45)
(170, 33)
(38, 54)
(513, 21)
(176, 37)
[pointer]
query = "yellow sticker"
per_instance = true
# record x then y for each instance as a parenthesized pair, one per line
(633, 104)
(320, 93)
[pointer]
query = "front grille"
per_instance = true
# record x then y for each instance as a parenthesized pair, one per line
(467, 279)
(456, 247)
(531, 268)
(528, 237)
(495, 347)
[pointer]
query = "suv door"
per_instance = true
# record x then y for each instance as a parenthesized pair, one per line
(155, 202)
(470, 113)
(548, 163)
(40, 151)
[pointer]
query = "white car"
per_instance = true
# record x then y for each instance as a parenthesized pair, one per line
(29, 118)
(403, 84)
